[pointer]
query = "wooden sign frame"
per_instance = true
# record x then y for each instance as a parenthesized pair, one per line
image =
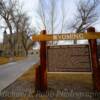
(67, 36)
(41, 74)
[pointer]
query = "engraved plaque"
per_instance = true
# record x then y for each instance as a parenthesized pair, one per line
(68, 58)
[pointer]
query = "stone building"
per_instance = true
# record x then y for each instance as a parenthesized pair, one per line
(18, 46)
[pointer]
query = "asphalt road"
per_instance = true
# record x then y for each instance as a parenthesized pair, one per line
(11, 71)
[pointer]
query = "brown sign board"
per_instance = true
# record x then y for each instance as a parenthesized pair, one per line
(71, 36)
(68, 58)
(75, 57)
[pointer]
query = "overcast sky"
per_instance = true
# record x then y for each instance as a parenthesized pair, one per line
(31, 6)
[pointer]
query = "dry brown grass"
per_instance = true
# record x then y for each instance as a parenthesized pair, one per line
(4, 60)
(19, 58)
(77, 76)
(67, 78)
(55, 81)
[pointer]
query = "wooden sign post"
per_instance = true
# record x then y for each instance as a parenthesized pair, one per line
(94, 61)
(41, 74)
(66, 36)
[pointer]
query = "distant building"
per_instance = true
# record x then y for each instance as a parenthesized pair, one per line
(1, 49)
(18, 49)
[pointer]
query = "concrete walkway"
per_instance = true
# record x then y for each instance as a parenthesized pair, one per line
(11, 71)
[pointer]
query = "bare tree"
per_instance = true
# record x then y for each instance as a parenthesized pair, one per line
(52, 17)
(23, 29)
(64, 16)
(25, 33)
(17, 22)
(7, 9)
(53, 3)
(86, 15)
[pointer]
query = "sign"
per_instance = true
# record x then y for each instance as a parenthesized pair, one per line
(71, 36)
(68, 58)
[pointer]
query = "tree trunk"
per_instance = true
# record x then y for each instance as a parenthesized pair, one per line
(26, 52)
(11, 56)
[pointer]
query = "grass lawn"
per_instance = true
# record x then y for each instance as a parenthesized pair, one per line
(70, 77)
(80, 82)
(4, 60)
